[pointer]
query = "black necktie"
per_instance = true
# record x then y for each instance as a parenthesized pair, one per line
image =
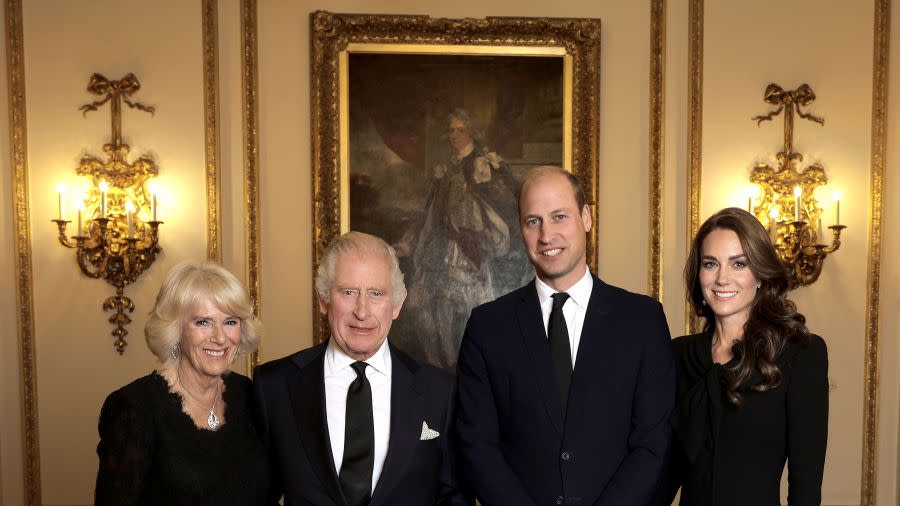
(560, 351)
(359, 440)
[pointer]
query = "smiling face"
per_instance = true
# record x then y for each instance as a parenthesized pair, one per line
(728, 284)
(209, 339)
(360, 308)
(458, 134)
(554, 230)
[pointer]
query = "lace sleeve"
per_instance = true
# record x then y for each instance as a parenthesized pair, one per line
(125, 451)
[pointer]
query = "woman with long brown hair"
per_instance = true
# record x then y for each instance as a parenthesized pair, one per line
(752, 386)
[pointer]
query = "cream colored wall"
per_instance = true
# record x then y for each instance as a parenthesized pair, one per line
(743, 48)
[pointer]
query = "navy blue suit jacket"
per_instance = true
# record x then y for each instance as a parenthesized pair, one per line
(516, 446)
(290, 413)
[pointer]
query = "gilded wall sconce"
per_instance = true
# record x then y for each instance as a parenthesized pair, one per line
(117, 232)
(787, 204)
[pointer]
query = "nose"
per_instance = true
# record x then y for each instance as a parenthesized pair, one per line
(722, 276)
(546, 234)
(218, 336)
(361, 311)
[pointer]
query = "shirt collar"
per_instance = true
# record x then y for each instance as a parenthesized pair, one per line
(336, 360)
(580, 292)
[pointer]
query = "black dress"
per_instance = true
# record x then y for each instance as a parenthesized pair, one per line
(728, 456)
(151, 453)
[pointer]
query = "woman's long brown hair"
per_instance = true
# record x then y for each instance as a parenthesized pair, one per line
(773, 318)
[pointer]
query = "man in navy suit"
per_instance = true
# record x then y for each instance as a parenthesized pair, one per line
(353, 421)
(565, 386)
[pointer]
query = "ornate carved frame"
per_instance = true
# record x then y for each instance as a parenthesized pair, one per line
(335, 35)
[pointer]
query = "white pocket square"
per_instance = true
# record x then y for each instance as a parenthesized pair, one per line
(428, 433)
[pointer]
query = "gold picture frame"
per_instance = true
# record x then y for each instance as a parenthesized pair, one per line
(557, 57)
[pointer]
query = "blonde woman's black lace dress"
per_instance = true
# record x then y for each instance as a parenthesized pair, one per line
(151, 453)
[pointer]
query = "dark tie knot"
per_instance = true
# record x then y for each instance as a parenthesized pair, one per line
(559, 299)
(360, 368)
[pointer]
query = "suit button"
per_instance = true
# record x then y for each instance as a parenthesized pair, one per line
(566, 456)
(560, 500)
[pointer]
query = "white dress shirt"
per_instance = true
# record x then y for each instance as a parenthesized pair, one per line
(338, 376)
(573, 310)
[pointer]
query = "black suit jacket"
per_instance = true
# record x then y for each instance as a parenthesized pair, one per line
(290, 414)
(515, 445)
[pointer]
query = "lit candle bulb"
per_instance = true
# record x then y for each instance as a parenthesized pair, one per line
(104, 187)
(797, 192)
(60, 189)
(129, 210)
(80, 210)
(837, 208)
(153, 188)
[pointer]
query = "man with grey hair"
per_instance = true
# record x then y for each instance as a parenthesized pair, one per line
(353, 421)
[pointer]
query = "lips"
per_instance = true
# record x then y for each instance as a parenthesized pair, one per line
(552, 252)
(724, 295)
(214, 353)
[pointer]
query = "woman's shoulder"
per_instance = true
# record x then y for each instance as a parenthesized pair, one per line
(689, 340)
(805, 353)
(139, 396)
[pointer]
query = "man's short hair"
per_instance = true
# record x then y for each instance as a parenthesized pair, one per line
(358, 242)
(545, 170)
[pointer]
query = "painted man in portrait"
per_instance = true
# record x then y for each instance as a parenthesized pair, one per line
(466, 238)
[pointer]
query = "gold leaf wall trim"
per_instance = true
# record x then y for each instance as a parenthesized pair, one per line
(880, 69)
(18, 142)
(210, 16)
(657, 139)
(695, 134)
(250, 85)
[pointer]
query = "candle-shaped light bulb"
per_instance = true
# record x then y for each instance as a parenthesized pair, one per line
(129, 210)
(797, 192)
(80, 211)
(837, 207)
(104, 187)
(153, 188)
(60, 189)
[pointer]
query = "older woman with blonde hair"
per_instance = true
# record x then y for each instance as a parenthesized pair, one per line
(183, 434)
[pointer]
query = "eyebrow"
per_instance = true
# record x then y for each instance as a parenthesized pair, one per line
(733, 257)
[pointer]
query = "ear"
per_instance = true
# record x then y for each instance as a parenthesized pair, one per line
(323, 306)
(398, 306)
(586, 218)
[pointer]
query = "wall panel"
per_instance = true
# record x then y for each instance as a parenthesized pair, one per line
(76, 365)
(748, 46)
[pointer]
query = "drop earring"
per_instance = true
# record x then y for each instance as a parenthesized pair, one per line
(175, 351)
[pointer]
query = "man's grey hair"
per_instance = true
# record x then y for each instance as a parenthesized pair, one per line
(358, 242)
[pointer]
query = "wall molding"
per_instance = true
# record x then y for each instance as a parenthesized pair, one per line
(18, 142)
(210, 27)
(695, 135)
(250, 86)
(880, 69)
(656, 144)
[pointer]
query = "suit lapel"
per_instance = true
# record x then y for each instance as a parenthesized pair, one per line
(591, 345)
(531, 325)
(307, 392)
(407, 414)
